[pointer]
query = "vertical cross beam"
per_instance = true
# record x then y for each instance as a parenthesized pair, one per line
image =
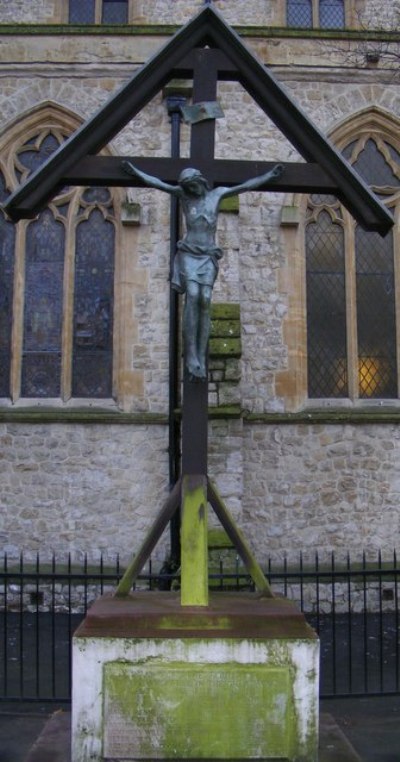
(194, 537)
(194, 555)
(195, 395)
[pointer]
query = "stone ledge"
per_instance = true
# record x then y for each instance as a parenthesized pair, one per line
(329, 416)
(106, 417)
(169, 29)
(71, 415)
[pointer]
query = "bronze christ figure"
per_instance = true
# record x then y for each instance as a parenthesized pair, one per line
(197, 257)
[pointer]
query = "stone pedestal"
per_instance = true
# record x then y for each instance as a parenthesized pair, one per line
(237, 679)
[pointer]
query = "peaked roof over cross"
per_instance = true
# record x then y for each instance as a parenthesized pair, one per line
(206, 49)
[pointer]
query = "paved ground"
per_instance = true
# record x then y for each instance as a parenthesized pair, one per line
(371, 725)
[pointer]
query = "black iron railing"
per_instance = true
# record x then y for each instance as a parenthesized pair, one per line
(352, 605)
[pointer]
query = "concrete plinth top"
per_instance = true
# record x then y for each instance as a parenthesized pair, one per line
(228, 615)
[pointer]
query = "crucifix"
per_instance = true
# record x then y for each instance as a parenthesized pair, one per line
(206, 51)
(194, 273)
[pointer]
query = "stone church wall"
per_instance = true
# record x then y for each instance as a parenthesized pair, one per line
(95, 487)
(321, 488)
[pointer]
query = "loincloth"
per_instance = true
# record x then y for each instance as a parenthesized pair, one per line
(195, 263)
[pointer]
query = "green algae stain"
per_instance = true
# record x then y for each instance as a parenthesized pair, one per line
(182, 710)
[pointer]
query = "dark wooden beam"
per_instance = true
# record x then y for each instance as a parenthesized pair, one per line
(226, 54)
(227, 71)
(302, 133)
(123, 106)
(107, 171)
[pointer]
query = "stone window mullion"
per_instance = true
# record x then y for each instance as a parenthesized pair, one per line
(18, 312)
(68, 299)
(315, 13)
(351, 308)
(396, 253)
(98, 11)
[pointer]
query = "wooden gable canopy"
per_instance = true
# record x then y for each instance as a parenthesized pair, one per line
(205, 45)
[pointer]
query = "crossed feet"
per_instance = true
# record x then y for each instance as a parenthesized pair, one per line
(196, 369)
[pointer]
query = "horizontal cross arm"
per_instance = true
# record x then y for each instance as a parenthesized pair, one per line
(108, 171)
(297, 177)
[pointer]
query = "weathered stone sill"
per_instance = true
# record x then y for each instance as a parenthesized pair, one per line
(104, 417)
(169, 29)
(92, 415)
(107, 417)
(352, 417)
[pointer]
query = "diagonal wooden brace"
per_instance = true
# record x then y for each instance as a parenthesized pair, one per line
(171, 504)
(238, 540)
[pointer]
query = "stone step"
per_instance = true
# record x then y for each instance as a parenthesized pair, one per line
(54, 742)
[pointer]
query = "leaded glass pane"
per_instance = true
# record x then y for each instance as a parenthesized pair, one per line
(395, 155)
(81, 11)
(7, 238)
(373, 167)
(44, 267)
(93, 309)
(376, 328)
(331, 14)
(115, 12)
(320, 199)
(299, 13)
(33, 158)
(96, 194)
(347, 152)
(326, 309)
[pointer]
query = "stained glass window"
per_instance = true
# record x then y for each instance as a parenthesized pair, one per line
(44, 267)
(373, 167)
(93, 309)
(7, 236)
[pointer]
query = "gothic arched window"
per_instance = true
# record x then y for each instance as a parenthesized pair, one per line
(56, 306)
(351, 287)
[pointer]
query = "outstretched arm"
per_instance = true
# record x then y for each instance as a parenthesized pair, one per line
(153, 182)
(253, 183)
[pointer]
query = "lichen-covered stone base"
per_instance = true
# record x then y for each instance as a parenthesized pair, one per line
(191, 698)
